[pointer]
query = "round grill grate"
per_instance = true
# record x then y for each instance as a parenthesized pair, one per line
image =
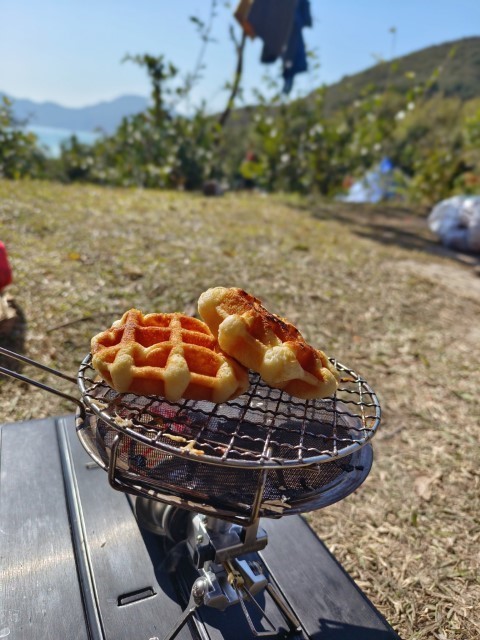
(263, 428)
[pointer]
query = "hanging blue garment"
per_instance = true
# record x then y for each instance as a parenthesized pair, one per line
(272, 21)
(295, 56)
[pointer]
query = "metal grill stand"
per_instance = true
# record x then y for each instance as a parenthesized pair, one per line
(224, 578)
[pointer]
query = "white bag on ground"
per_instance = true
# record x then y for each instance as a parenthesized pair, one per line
(457, 222)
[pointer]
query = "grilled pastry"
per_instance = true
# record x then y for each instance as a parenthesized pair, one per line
(267, 344)
(166, 354)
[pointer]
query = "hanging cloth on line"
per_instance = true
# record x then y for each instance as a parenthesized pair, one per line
(295, 56)
(279, 24)
(272, 21)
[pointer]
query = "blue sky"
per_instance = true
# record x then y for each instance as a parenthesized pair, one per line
(70, 51)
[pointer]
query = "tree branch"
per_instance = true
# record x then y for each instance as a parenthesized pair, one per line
(236, 83)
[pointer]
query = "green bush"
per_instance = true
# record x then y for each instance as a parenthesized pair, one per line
(19, 154)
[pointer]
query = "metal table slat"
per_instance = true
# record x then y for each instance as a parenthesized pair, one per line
(39, 590)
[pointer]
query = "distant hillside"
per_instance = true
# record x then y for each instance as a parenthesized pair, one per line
(460, 77)
(104, 115)
(460, 73)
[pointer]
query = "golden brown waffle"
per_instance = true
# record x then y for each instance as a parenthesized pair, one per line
(166, 354)
(267, 344)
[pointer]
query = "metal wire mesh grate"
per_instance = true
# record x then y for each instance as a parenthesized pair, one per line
(262, 428)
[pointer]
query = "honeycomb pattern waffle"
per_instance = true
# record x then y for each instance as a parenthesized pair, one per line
(166, 354)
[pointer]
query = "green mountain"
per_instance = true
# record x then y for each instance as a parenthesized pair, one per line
(458, 63)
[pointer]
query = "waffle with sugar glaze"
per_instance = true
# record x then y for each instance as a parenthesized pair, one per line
(166, 354)
(267, 344)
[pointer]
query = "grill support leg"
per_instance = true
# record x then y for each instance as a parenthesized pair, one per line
(197, 596)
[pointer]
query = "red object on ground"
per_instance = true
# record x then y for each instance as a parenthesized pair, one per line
(5, 270)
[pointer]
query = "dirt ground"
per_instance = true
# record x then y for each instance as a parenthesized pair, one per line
(367, 284)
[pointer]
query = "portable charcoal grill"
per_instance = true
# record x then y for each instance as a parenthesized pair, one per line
(203, 475)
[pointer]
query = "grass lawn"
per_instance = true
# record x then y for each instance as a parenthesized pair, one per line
(368, 285)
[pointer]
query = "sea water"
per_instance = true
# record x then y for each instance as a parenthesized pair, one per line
(50, 138)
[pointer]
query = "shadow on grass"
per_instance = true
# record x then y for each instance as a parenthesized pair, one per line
(389, 225)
